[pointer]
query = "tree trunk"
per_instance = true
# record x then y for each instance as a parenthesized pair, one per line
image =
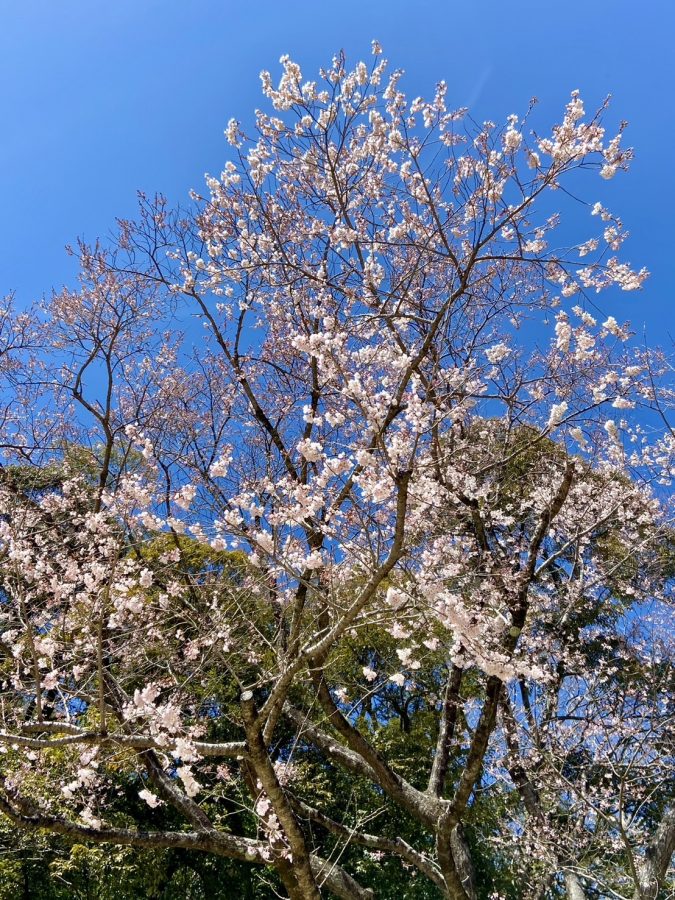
(652, 868)
(573, 886)
(463, 861)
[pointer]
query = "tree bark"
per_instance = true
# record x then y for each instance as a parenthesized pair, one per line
(463, 861)
(573, 886)
(446, 732)
(653, 867)
(303, 885)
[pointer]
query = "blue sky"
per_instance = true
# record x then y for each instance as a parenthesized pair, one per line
(100, 99)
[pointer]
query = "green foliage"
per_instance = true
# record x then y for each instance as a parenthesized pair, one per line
(400, 723)
(41, 867)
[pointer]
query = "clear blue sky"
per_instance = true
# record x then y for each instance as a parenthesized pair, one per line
(99, 99)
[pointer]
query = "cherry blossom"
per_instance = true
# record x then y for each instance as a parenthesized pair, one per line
(200, 533)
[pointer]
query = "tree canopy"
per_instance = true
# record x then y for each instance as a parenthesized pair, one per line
(335, 527)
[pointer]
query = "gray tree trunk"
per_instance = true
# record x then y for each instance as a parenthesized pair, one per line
(463, 862)
(653, 867)
(573, 886)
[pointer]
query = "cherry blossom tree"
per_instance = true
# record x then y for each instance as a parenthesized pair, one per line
(347, 441)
